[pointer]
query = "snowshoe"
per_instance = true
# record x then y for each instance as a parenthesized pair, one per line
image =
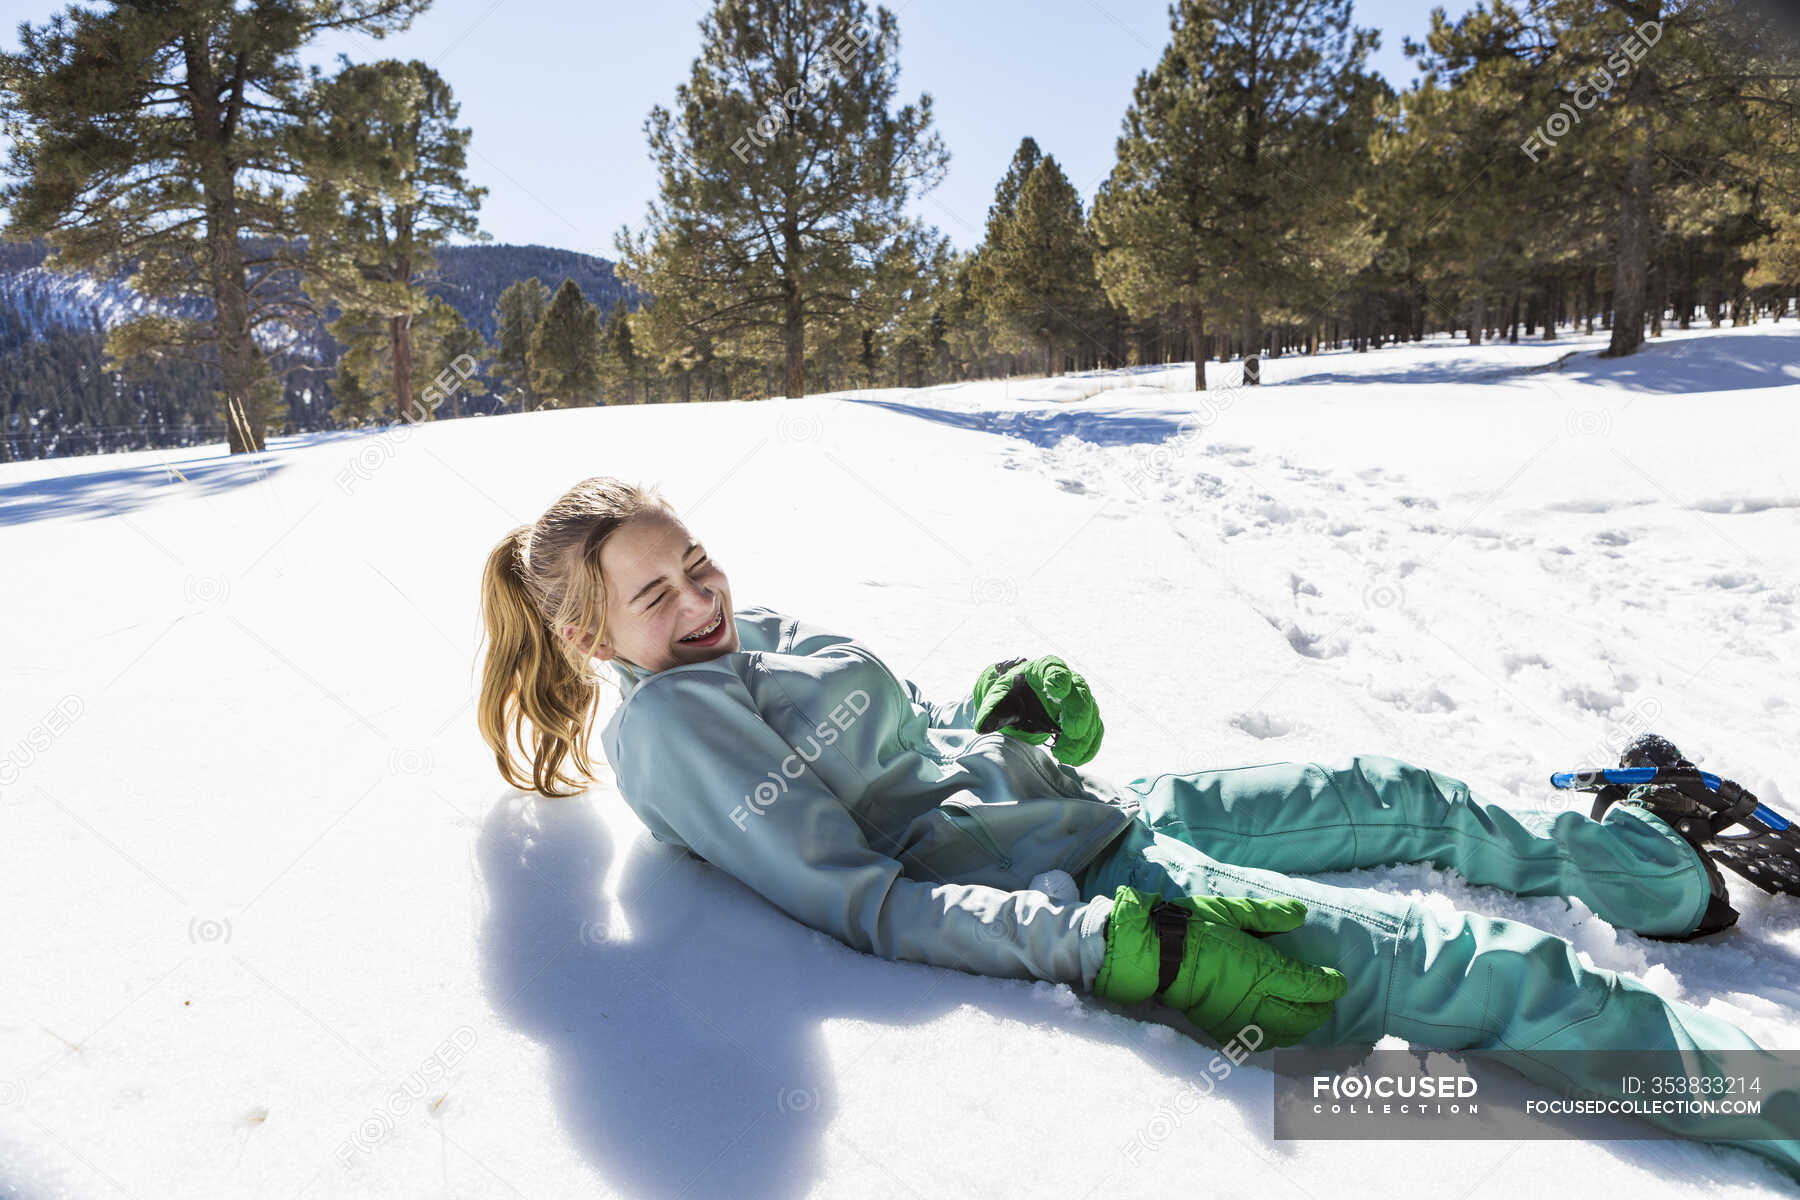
(1701, 807)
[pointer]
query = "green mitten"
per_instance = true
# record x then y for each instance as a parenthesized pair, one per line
(1031, 699)
(1226, 978)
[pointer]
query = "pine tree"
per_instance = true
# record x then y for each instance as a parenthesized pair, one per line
(917, 349)
(1240, 152)
(356, 403)
(1461, 198)
(450, 354)
(977, 280)
(1039, 263)
(160, 135)
(565, 350)
(969, 345)
(1157, 215)
(516, 315)
(784, 176)
(1650, 97)
(362, 378)
(386, 188)
(619, 357)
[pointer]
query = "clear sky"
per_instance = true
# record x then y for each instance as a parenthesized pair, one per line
(556, 92)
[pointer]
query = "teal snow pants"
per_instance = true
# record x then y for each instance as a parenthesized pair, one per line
(1456, 981)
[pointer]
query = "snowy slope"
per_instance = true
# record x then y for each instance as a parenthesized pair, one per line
(277, 930)
(48, 300)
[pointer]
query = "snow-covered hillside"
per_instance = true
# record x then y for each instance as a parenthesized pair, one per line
(48, 300)
(276, 928)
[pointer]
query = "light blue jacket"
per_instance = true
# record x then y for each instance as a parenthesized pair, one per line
(801, 765)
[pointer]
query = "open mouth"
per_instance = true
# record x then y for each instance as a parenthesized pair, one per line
(709, 635)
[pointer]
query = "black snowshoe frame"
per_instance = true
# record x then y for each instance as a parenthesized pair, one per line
(1767, 852)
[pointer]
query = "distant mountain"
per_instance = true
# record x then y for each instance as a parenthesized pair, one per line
(57, 398)
(472, 278)
(46, 300)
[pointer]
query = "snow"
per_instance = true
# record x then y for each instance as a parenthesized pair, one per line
(48, 299)
(278, 930)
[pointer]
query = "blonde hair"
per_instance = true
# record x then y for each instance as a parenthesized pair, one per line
(540, 580)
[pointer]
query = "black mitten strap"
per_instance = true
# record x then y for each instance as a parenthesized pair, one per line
(1171, 924)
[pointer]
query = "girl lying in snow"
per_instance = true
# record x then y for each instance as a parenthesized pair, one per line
(794, 759)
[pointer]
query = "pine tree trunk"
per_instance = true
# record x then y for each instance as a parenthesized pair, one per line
(1197, 318)
(400, 342)
(793, 334)
(1655, 298)
(1478, 320)
(1631, 273)
(237, 350)
(1685, 299)
(794, 312)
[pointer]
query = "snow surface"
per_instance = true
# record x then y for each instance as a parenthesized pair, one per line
(276, 929)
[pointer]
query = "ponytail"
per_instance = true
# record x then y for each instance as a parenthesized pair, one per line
(539, 580)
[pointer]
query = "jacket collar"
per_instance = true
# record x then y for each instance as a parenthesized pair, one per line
(629, 676)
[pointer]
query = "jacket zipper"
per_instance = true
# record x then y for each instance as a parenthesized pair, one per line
(970, 826)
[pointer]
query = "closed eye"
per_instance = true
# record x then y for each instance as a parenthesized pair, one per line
(704, 559)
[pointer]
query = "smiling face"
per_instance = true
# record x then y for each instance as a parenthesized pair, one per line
(660, 587)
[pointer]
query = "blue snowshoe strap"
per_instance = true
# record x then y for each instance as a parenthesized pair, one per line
(1726, 801)
(1767, 853)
